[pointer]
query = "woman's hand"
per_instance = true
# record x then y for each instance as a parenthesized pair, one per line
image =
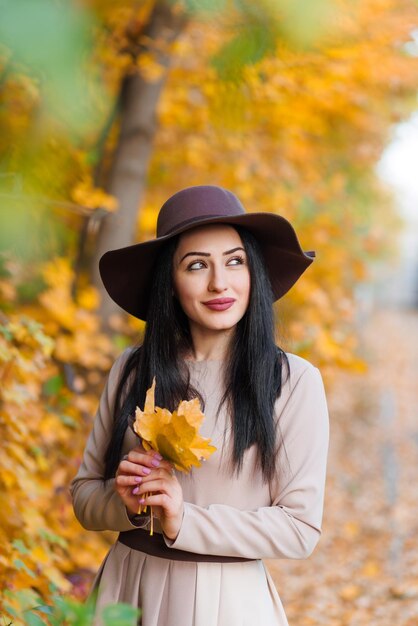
(165, 495)
(146, 472)
(135, 466)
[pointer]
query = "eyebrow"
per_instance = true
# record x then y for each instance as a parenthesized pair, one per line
(208, 253)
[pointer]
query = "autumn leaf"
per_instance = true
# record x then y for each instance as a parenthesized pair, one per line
(174, 435)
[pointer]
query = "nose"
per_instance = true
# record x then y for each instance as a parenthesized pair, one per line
(217, 279)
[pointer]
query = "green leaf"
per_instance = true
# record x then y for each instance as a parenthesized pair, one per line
(72, 613)
(26, 599)
(305, 22)
(53, 385)
(20, 546)
(53, 39)
(21, 565)
(6, 333)
(32, 619)
(249, 46)
(205, 6)
(28, 290)
(44, 608)
(121, 342)
(120, 615)
(64, 401)
(4, 271)
(10, 610)
(53, 538)
(67, 420)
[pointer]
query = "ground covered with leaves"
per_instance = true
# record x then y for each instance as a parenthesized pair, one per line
(364, 570)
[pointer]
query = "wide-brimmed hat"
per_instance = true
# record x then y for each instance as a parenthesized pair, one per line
(127, 272)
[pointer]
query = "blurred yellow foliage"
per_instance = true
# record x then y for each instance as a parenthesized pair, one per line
(91, 197)
(43, 420)
(149, 67)
(299, 136)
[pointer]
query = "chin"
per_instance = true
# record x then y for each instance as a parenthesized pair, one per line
(221, 322)
(221, 325)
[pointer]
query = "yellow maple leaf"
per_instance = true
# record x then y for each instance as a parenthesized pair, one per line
(174, 435)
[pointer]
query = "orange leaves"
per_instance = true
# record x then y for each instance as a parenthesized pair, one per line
(24, 358)
(149, 68)
(88, 195)
(306, 131)
(42, 422)
(39, 427)
(74, 324)
(174, 435)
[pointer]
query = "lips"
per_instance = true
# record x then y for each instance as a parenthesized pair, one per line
(219, 304)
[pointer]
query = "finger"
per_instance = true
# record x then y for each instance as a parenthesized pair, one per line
(167, 464)
(149, 459)
(160, 472)
(159, 484)
(153, 460)
(128, 468)
(125, 480)
(158, 499)
(151, 452)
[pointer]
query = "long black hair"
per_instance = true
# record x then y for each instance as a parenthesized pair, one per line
(254, 367)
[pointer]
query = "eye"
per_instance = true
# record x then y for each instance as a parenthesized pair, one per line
(196, 265)
(236, 260)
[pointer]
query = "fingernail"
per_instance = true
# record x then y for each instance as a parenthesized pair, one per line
(138, 479)
(135, 491)
(158, 456)
(155, 463)
(146, 470)
(142, 500)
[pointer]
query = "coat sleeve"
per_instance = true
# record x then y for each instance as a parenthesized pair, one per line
(97, 505)
(291, 526)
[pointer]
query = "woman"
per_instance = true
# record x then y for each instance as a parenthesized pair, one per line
(206, 286)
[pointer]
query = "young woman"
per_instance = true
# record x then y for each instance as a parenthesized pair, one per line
(205, 287)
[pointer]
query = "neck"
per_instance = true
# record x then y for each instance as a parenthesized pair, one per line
(210, 345)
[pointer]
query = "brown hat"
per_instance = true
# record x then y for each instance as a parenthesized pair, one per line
(127, 272)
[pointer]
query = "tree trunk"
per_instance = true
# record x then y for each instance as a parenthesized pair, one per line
(127, 178)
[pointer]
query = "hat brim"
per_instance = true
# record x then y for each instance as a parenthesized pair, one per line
(127, 272)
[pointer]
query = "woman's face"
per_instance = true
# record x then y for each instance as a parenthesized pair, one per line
(211, 277)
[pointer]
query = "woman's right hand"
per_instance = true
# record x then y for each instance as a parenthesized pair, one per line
(138, 463)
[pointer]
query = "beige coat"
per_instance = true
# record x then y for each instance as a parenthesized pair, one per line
(224, 513)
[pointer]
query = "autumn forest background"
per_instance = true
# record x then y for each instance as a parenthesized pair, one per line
(107, 108)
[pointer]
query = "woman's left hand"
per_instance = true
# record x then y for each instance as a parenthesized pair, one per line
(165, 497)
